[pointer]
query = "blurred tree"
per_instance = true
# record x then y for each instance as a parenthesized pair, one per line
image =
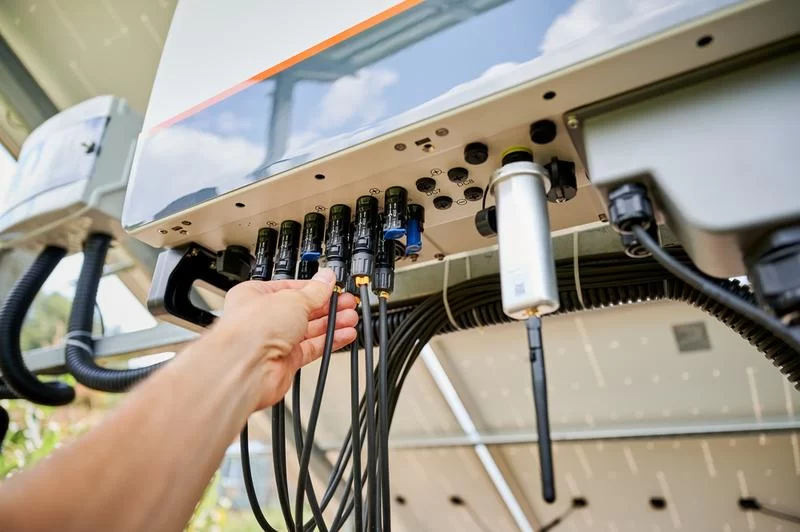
(47, 321)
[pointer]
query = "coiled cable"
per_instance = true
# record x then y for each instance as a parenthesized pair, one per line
(79, 355)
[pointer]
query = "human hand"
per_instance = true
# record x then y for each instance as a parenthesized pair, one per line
(280, 327)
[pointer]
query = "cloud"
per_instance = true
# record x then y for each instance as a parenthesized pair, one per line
(230, 123)
(586, 16)
(181, 160)
(359, 96)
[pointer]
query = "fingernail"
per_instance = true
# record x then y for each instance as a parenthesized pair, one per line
(325, 275)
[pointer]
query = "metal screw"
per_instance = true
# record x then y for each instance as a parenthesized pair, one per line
(271, 224)
(439, 256)
(374, 191)
(428, 148)
(163, 231)
(184, 232)
(436, 172)
(573, 122)
(319, 208)
(442, 132)
(602, 217)
(461, 201)
(400, 146)
(186, 223)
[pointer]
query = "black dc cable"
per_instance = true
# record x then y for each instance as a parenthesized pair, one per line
(279, 461)
(383, 412)
(372, 480)
(715, 292)
(355, 421)
(247, 473)
(305, 459)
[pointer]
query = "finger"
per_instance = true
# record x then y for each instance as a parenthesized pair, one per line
(344, 318)
(318, 290)
(269, 287)
(345, 301)
(312, 348)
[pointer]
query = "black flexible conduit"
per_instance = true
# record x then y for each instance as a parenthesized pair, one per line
(16, 376)
(606, 280)
(6, 392)
(80, 346)
(3, 426)
(614, 279)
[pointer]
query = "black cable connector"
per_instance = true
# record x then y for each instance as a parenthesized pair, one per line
(286, 258)
(365, 241)
(337, 243)
(266, 244)
(539, 378)
(717, 293)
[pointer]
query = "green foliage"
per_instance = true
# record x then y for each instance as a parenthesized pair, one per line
(46, 322)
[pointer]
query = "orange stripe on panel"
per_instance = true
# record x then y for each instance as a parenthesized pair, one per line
(288, 63)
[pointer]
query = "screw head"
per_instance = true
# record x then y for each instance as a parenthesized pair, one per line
(184, 232)
(439, 256)
(374, 191)
(186, 223)
(319, 208)
(399, 146)
(573, 122)
(163, 231)
(442, 132)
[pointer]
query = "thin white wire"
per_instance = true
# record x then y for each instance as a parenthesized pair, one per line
(576, 267)
(445, 282)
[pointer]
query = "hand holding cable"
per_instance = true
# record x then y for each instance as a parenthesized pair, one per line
(281, 325)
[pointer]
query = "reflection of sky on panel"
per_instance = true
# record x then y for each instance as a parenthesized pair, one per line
(432, 58)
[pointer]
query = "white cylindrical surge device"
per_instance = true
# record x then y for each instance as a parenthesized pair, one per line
(527, 270)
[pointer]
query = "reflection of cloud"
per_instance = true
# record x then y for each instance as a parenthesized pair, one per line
(229, 123)
(179, 160)
(182, 153)
(358, 96)
(586, 16)
(310, 141)
(300, 141)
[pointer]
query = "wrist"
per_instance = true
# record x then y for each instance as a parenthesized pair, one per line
(223, 351)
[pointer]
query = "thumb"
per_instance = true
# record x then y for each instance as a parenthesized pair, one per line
(318, 290)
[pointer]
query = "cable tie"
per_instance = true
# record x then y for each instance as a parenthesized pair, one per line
(78, 334)
(445, 282)
(78, 343)
(576, 271)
